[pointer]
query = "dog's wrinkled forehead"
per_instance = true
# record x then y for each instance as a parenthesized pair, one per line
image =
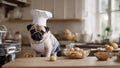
(37, 27)
(42, 28)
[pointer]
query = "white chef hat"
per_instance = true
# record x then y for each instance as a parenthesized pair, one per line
(40, 17)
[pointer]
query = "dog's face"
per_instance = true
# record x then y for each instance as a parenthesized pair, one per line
(37, 32)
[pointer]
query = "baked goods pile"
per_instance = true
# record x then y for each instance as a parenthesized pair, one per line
(111, 46)
(68, 35)
(28, 55)
(76, 53)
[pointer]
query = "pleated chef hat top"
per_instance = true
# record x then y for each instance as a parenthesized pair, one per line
(40, 17)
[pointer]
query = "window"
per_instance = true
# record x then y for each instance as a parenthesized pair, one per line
(101, 14)
(90, 16)
(115, 17)
(109, 12)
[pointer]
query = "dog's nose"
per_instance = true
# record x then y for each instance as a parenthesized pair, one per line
(37, 36)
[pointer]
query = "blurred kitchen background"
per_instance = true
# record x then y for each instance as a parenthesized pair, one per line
(81, 21)
(66, 14)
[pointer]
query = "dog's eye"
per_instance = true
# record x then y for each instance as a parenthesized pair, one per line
(29, 26)
(32, 31)
(42, 32)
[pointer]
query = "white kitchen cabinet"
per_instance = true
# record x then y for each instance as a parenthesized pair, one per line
(63, 10)
(49, 5)
(70, 8)
(37, 4)
(79, 9)
(43, 5)
(59, 9)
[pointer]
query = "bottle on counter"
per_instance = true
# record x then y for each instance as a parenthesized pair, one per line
(9, 36)
(18, 39)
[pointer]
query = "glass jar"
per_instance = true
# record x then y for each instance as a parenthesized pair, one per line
(18, 39)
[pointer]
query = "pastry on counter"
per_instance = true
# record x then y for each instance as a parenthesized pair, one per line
(28, 55)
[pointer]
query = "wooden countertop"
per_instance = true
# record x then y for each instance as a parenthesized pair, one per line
(62, 62)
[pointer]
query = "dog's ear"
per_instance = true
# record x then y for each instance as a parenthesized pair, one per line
(29, 26)
(47, 28)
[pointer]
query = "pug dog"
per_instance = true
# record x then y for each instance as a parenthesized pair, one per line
(42, 40)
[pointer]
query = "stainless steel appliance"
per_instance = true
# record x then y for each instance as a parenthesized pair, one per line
(8, 52)
(3, 30)
(8, 48)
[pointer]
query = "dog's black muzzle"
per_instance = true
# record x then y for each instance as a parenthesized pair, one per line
(37, 35)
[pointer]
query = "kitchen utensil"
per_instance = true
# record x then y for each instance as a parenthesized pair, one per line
(3, 31)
